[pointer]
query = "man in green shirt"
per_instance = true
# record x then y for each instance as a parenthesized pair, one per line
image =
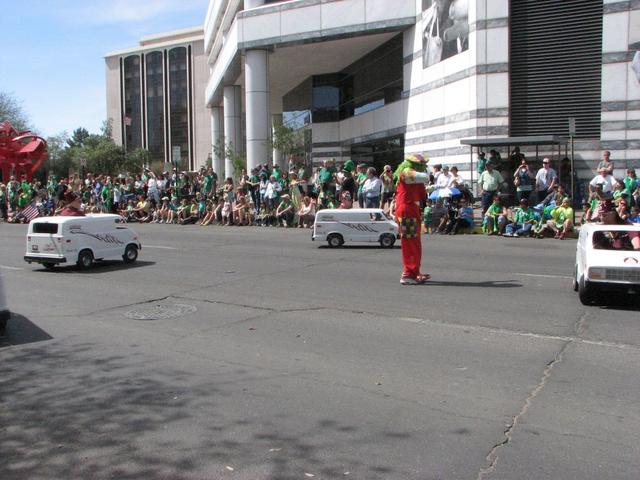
(277, 173)
(284, 212)
(207, 183)
(523, 218)
(326, 177)
(361, 177)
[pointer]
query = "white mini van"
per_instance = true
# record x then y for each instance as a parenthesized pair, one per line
(55, 241)
(371, 225)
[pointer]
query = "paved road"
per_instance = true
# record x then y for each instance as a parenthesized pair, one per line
(292, 361)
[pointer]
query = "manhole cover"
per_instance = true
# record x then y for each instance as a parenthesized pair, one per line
(159, 312)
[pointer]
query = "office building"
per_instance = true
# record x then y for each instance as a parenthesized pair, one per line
(375, 79)
(155, 98)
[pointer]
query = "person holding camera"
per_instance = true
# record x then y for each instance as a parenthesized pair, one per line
(522, 180)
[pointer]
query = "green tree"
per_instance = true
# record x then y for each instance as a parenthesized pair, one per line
(11, 110)
(238, 160)
(106, 129)
(78, 137)
(287, 140)
(59, 159)
(136, 160)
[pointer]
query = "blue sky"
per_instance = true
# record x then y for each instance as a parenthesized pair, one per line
(52, 52)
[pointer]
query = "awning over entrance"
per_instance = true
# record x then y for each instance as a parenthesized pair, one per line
(555, 143)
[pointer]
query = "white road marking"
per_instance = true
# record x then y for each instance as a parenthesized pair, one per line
(543, 276)
(7, 267)
(161, 247)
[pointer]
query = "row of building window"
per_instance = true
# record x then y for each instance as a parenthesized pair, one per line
(145, 106)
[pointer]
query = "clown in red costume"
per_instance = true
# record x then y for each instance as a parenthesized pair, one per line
(411, 178)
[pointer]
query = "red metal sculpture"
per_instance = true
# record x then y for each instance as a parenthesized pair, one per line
(21, 153)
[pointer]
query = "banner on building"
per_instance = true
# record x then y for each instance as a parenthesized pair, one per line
(445, 29)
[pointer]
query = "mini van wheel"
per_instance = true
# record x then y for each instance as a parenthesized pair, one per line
(85, 259)
(335, 240)
(575, 280)
(387, 240)
(130, 254)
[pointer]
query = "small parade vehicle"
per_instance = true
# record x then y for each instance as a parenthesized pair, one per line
(370, 225)
(607, 259)
(62, 240)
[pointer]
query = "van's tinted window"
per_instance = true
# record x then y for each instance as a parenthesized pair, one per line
(45, 227)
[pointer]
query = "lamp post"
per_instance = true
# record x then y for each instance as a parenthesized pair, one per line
(572, 132)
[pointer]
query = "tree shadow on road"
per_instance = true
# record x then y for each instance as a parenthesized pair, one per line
(79, 411)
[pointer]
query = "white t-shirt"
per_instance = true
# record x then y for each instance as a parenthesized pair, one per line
(608, 182)
(544, 177)
(443, 180)
(273, 189)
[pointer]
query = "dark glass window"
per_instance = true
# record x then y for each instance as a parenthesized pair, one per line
(378, 153)
(132, 104)
(178, 103)
(45, 228)
(155, 106)
(326, 97)
(375, 80)
(371, 82)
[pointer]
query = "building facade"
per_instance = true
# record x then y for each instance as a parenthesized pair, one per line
(155, 98)
(373, 80)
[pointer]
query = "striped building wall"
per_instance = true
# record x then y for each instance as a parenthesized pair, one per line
(620, 89)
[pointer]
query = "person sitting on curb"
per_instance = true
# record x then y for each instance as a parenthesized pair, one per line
(460, 217)
(284, 212)
(439, 217)
(561, 220)
(496, 217)
(523, 218)
(306, 213)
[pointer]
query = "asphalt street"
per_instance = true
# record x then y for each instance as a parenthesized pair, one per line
(254, 353)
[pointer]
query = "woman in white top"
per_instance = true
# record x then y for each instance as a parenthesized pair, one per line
(152, 188)
(306, 213)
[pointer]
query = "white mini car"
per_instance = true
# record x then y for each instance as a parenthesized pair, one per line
(606, 260)
(371, 225)
(55, 241)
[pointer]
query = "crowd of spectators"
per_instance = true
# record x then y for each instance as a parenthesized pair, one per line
(271, 196)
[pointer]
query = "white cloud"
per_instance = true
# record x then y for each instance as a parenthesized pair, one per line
(132, 11)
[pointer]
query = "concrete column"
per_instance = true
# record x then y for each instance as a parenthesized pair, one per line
(278, 157)
(232, 104)
(217, 140)
(256, 76)
(248, 4)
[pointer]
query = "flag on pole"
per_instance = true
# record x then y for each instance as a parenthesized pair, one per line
(30, 212)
